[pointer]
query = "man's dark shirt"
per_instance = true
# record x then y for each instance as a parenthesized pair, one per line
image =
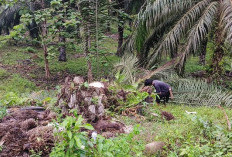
(161, 87)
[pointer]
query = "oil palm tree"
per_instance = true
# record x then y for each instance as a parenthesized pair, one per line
(164, 25)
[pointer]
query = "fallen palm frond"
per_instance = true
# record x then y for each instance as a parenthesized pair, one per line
(199, 92)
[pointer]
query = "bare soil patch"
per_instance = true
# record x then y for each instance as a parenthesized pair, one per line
(25, 130)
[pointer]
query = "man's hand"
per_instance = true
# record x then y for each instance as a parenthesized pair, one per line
(170, 90)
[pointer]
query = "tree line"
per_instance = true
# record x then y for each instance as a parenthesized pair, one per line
(173, 29)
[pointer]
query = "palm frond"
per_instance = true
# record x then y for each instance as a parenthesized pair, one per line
(9, 15)
(155, 14)
(172, 38)
(153, 37)
(199, 92)
(198, 33)
(127, 66)
(226, 19)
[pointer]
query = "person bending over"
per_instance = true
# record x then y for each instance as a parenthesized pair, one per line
(163, 90)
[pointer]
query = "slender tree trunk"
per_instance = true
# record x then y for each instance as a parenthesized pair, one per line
(120, 5)
(62, 48)
(108, 22)
(109, 15)
(90, 75)
(47, 70)
(44, 34)
(120, 40)
(203, 52)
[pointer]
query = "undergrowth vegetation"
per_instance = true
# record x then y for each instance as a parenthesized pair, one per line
(74, 142)
(45, 44)
(17, 84)
(202, 134)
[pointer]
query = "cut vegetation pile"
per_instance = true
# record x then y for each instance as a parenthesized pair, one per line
(90, 100)
(25, 130)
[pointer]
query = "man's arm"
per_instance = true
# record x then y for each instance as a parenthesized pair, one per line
(157, 89)
(170, 90)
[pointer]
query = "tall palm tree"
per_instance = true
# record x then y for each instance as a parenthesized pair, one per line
(164, 25)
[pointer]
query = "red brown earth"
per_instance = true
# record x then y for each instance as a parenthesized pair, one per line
(25, 130)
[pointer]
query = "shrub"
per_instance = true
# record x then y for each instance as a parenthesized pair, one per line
(3, 74)
(30, 50)
(74, 142)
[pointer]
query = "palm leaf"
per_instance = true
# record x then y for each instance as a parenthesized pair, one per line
(226, 19)
(127, 66)
(199, 92)
(198, 33)
(155, 14)
(172, 38)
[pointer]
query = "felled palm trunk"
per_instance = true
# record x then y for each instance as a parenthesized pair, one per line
(88, 101)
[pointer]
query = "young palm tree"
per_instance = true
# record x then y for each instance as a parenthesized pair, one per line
(164, 24)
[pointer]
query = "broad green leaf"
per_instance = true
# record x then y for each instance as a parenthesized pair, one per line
(71, 143)
(69, 134)
(88, 126)
(78, 141)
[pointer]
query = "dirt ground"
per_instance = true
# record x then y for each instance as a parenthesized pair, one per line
(25, 130)
(40, 81)
(22, 131)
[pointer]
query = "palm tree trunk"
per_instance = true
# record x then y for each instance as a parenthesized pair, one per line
(218, 53)
(120, 40)
(109, 14)
(90, 75)
(62, 48)
(120, 6)
(203, 51)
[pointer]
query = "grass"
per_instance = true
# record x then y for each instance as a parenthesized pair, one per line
(3, 74)
(176, 132)
(12, 55)
(192, 65)
(16, 84)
